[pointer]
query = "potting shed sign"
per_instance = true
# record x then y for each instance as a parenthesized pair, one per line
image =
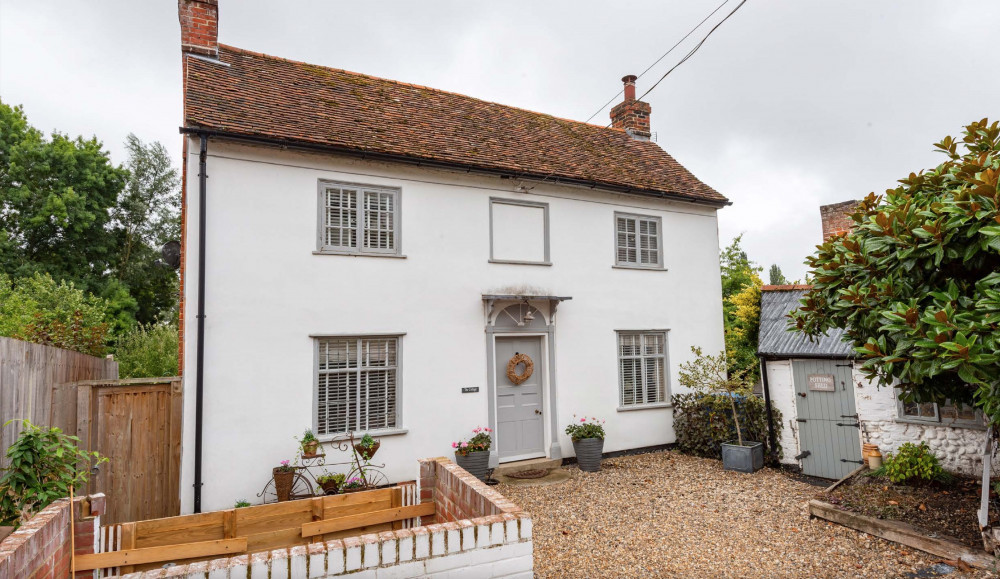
(822, 382)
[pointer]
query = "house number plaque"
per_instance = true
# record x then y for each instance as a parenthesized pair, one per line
(469, 389)
(822, 382)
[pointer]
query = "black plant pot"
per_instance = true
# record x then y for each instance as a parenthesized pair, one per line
(588, 453)
(747, 458)
(476, 463)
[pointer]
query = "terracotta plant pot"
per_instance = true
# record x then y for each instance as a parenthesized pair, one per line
(367, 452)
(283, 483)
(476, 463)
(309, 449)
(588, 453)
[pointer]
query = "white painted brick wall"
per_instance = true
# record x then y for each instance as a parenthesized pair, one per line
(958, 449)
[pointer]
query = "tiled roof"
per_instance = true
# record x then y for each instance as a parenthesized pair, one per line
(775, 340)
(263, 96)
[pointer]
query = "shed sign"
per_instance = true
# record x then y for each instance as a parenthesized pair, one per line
(822, 382)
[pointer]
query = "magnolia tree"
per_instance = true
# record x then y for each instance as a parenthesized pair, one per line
(916, 284)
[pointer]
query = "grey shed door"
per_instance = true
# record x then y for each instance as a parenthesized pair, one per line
(519, 407)
(827, 419)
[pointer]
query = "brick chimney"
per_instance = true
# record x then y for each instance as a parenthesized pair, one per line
(631, 115)
(199, 26)
(836, 218)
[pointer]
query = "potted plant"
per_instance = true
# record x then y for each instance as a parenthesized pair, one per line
(708, 376)
(284, 476)
(353, 485)
(331, 483)
(242, 503)
(588, 442)
(474, 454)
(310, 444)
(366, 447)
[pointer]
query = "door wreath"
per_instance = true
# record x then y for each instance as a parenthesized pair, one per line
(512, 364)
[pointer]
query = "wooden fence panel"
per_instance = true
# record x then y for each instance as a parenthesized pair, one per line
(29, 379)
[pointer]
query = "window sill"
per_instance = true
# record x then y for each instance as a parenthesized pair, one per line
(638, 267)
(516, 262)
(943, 424)
(358, 435)
(352, 254)
(645, 406)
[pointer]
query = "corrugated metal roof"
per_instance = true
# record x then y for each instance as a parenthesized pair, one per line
(774, 339)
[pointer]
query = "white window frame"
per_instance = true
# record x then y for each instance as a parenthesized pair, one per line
(397, 428)
(638, 218)
(363, 191)
(665, 401)
(547, 260)
(936, 420)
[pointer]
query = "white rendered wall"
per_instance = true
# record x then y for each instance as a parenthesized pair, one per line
(267, 292)
(782, 392)
(959, 449)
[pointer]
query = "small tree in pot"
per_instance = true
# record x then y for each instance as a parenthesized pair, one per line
(474, 454)
(706, 375)
(588, 442)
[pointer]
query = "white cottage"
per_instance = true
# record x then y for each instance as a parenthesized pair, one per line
(829, 408)
(365, 255)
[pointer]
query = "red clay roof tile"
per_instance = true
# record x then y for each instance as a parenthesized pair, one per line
(265, 96)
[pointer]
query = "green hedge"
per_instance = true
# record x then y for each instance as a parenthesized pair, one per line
(703, 422)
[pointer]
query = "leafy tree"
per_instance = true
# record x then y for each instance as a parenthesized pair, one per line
(56, 197)
(44, 463)
(775, 277)
(740, 296)
(708, 375)
(147, 215)
(39, 309)
(148, 352)
(916, 284)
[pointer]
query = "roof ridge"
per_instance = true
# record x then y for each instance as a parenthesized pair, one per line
(786, 287)
(420, 86)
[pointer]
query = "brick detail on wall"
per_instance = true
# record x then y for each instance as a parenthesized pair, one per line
(458, 494)
(836, 218)
(40, 548)
(199, 26)
(631, 115)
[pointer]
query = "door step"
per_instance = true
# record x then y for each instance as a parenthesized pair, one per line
(530, 464)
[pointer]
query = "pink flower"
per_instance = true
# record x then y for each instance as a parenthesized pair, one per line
(489, 430)
(583, 420)
(454, 445)
(465, 444)
(284, 463)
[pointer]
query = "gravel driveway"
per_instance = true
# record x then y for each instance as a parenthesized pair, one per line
(669, 515)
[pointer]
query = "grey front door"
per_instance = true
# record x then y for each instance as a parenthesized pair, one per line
(827, 420)
(520, 413)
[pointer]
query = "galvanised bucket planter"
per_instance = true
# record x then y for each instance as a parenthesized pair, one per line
(476, 463)
(748, 458)
(588, 453)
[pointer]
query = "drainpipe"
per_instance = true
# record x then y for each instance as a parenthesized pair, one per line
(771, 437)
(200, 371)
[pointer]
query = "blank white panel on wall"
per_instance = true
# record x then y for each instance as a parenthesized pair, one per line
(519, 232)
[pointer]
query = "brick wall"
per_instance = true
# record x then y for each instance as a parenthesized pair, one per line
(40, 548)
(480, 534)
(836, 218)
(199, 26)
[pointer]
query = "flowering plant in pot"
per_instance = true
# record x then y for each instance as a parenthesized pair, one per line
(474, 454)
(284, 477)
(353, 485)
(709, 376)
(309, 444)
(588, 442)
(331, 483)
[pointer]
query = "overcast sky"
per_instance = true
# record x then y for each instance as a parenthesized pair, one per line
(789, 105)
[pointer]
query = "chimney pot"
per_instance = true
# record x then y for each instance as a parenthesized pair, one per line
(199, 26)
(630, 114)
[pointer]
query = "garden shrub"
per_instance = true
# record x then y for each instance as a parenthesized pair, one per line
(44, 463)
(148, 352)
(704, 421)
(912, 463)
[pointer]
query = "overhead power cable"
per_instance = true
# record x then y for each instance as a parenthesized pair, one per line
(662, 56)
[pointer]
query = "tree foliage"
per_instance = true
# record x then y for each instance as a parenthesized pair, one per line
(148, 352)
(39, 309)
(775, 277)
(916, 284)
(708, 375)
(741, 309)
